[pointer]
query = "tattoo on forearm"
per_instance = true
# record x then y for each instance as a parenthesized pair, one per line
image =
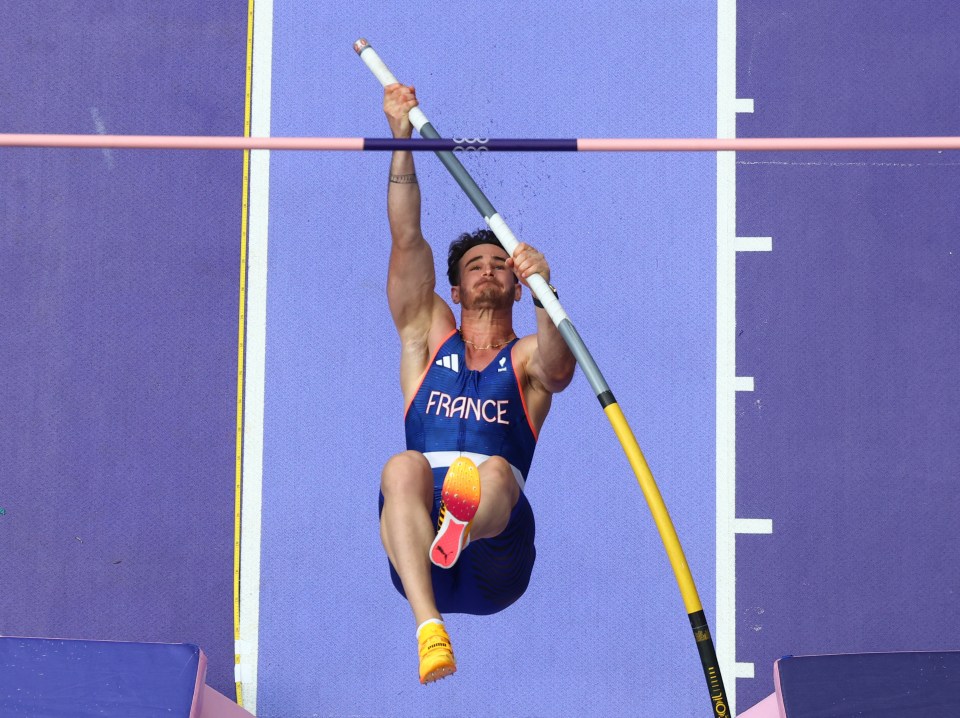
(404, 179)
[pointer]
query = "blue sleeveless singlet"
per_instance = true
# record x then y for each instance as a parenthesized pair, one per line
(475, 412)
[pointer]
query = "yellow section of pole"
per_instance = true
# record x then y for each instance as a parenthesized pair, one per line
(661, 517)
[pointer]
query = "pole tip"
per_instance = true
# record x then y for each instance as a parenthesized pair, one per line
(361, 45)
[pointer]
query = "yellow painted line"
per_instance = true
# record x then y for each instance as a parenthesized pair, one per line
(241, 331)
(661, 517)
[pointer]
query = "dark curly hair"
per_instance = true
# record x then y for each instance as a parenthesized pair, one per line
(461, 245)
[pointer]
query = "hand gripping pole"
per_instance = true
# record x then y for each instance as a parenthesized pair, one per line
(668, 534)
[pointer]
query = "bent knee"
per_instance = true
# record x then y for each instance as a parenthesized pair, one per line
(407, 473)
(497, 465)
(498, 472)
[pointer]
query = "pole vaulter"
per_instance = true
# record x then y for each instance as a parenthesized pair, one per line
(539, 286)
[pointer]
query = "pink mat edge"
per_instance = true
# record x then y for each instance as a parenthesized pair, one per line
(767, 708)
(196, 707)
(217, 705)
(776, 687)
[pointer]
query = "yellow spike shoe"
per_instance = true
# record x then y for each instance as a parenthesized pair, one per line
(436, 653)
(461, 499)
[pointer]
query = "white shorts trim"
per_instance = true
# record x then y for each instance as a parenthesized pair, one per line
(443, 459)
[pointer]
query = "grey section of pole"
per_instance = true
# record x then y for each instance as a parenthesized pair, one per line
(460, 174)
(584, 359)
(487, 210)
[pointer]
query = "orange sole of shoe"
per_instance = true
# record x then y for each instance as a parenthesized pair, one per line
(461, 499)
(461, 489)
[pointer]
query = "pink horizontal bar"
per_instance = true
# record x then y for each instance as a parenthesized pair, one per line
(775, 144)
(183, 142)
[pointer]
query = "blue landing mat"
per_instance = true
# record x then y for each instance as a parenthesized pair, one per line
(57, 678)
(905, 685)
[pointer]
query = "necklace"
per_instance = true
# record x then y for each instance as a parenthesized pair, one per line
(488, 346)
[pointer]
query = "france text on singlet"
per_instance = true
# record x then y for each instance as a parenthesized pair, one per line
(458, 409)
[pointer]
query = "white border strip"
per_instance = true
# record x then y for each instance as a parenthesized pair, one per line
(753, 526)
(255, 355)
(727, 106)
(754, 244)
(743, 383)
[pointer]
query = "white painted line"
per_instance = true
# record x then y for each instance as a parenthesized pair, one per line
(255, 356)
(754, 244)
(726, 609)
(744, 670)
(725, 631)
(726, 68)
(743, 383)
(744, 106)
(753, 526)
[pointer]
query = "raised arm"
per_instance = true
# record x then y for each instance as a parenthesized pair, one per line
(419, 314)
(550, 363)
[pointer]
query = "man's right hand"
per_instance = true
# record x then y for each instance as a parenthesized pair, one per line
(398, 100)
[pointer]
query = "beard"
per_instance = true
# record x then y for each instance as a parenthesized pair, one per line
(488, 295)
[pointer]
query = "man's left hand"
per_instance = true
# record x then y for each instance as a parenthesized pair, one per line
(526, 260)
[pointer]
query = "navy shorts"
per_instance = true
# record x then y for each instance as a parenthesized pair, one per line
(491, 573)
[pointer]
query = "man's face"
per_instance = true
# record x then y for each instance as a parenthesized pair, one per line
(485, 279)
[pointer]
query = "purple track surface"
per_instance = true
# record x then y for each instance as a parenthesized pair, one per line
(849, 326)
(119, 287)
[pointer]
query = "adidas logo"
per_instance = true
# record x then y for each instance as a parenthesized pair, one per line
(450, 361)
(503, 365)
